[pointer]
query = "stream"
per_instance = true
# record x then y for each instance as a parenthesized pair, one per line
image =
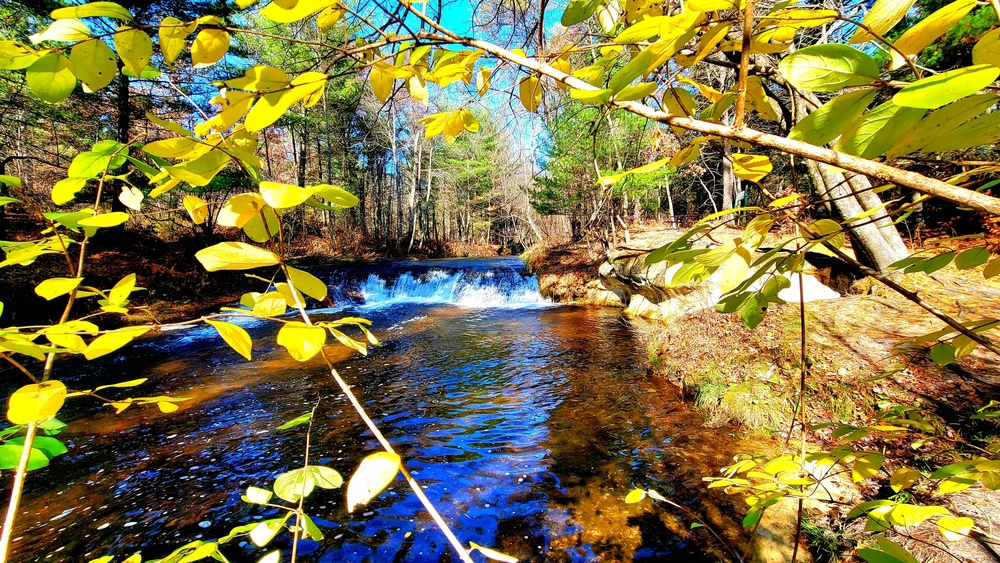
(527, 423)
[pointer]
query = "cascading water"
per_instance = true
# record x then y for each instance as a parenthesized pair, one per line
(465, 283)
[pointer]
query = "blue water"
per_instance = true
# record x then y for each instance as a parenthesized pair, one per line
(526, 423)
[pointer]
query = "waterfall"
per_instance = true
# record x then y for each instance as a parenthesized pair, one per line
(465, 283)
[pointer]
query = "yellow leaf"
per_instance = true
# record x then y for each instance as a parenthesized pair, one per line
(469, 121)
(308, 283)
(483, 79)
(166, 406)
(337, 196)
(239, 209)
(291, 299)
(200, 171)
(417, 88)
(290, 12)
(954, 528)
(282, 196)
(734, 270)
(709, 41)
(134, 47)
(173, 33)
(262, 79)
(685, 155)
(903, 478)
(15, 56)
(54, 287)
(828, 230)
(237, 338)
(751, 167)
(329, 17)
(634, 496)
(929, 29)
(530, 90)
(382, 83)
(112, 341)
(269, 305)
(209, 46)
(93, 10)
(66, 29)
(37, 402)
(196, 208)
(302, 341)
(376, 472)
(120, 292)
(883, 15)
(271, 107)
(93, 63)
(235, 256)
(867, 465)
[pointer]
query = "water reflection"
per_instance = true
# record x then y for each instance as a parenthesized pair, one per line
(527, 427)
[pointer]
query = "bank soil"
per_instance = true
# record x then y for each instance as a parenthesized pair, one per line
(863, 368)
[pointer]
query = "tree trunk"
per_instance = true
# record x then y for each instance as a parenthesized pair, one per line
(728, 176)
(875, 240)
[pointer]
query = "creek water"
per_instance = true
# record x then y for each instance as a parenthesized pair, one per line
(527, 423)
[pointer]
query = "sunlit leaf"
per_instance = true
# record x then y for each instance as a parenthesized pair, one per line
(828, 67)
(209, 46)
(530, 91)
(308, 283)
(93, 63)
(882, 16)
(135, 48)
(235, 256)
(302, 341)
(54, 287)
(50, 77)
(16, 56)
(257, 495)
(929, 29)
(112, 219)
(112, 341)
(751, 167)
(281, 196)
(299, 420)
(903, 478)
(579, 10)
(172, 33)
(946, 87)
(93, 10)
(376, 472)
(828, 121)
(65, 29)
(197, 208)
(235, 336)
(954, 528)
(291, 12)
(264, 532)
(634, 496)
(36, 402)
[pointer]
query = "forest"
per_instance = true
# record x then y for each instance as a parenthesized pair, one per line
(319, 226)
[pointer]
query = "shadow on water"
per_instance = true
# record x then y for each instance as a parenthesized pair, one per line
(526, 423)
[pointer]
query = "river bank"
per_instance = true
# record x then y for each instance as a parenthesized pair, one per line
(863, 369)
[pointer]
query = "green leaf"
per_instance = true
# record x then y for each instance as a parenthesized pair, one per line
(878, 130)
(50, 78)
(10, 455)
(302, 341)
(579, 10)
(753, 312)
(299, 483)
(50, 447)
(828, 67)
(939, 125)
(234, 335)
(301, 419)
(376, 472)
(93, 10)
(992, 269)
(940, 89)
(634, 69)
(831, 119)
(235, 256)
(942, 353)
(972, 258)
